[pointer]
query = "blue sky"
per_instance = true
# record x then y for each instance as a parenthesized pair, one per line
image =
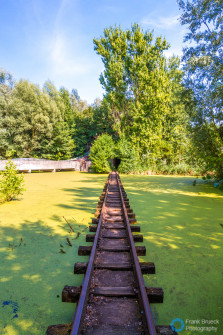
(53, 39)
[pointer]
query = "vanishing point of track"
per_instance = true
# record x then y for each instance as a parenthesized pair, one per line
(113, 298)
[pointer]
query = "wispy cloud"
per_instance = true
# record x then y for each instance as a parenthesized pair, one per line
(61, 50)
(161, 22)
(63, 56)
(64, 4)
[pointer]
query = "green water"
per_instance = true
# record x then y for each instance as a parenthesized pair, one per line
(182, 231)
(182, 227)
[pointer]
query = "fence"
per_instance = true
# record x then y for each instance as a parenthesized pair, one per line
(34, 164)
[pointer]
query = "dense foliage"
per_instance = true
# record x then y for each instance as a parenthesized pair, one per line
(127, 156)
(102, 151)
(144, 94)
(90, 123)
(203, 67)
(47, 123)
(11, 184)
(153, 116)
(33, 122)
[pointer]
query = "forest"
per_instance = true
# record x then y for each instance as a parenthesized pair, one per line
(157, 113)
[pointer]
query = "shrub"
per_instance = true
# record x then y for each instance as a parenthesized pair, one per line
(11, 184)
(127, 155)
(101, 153)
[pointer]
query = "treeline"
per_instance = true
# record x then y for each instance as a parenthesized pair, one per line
(46, 123)
(157, 114)
(142, 109)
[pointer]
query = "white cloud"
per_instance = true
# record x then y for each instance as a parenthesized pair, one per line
(161, 22)
(64, 56)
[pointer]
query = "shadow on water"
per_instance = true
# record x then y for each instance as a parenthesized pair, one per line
(85, 198)
(33, 272)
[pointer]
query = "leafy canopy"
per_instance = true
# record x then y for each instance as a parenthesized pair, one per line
(101, 153)
(203, 53)
(144, 93)
(203, 67)
(127, 155)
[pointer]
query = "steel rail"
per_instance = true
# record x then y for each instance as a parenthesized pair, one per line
(145, 302)
(87, 278)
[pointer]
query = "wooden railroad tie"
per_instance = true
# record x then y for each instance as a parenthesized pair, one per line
(72, 293)
(65, 329)
(86, 250)
(146, 267)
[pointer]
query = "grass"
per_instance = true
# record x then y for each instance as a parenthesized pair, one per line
(182, 228)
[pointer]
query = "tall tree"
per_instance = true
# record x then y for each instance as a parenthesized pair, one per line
(69, 112)
(32, 122)
(62, 145)
(84, 131)
(143, 91)
(203, 65)
(33, 113)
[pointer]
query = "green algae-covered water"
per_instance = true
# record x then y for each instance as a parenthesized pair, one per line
(182, 227)
(33, 271)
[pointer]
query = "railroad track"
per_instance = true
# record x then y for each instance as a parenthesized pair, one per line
(113, 298)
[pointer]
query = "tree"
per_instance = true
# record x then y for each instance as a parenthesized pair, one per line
(76, 102)
(22, 120)
(203, 67)
(203, 58)
(128, 57)
(11, 184)
(90, 123)
(33, 123)
(127, 155)
(62, 144)
(143, 91)
(68, 112)
(85, 131)
(102, 119)
(101, 153)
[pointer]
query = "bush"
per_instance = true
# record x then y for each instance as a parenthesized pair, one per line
(104, 149)
(127, 155)
(101, 153)
(180, 169)
(11, 184)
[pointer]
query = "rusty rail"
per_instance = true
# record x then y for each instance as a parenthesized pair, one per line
(85, 287)
(142, 291)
